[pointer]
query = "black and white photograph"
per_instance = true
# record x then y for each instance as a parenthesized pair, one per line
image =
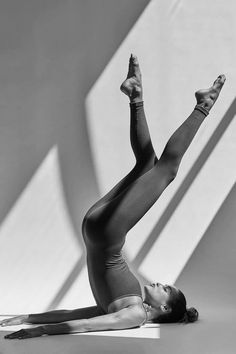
(117, 176)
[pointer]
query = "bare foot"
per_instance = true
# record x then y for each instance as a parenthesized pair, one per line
(207, 97)
(132, 86)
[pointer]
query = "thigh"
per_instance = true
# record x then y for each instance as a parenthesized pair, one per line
(137, 171)
(119, 214)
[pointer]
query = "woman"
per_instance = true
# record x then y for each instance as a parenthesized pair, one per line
(116, 290)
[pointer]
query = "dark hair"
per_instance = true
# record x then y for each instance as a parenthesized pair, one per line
(179, 312)
(191, 315)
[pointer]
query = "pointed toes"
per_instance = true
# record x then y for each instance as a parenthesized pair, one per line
(220, 80)
(134, 59)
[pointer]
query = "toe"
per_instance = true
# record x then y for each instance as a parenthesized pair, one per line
(219, 82)
(134, 59)
(135, 66)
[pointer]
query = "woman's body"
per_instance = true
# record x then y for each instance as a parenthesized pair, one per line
(116, 290)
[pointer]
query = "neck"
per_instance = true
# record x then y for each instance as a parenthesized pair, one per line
(149, 312)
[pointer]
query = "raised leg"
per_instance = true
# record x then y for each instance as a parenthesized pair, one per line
(123, 212)
(139, 133)
(140, 138)
(183, 136)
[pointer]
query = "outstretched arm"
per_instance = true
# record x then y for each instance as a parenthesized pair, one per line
(129, 317)
(64, 315)
(55, 316)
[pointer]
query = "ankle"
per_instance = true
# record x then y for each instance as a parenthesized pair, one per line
(202, 108)
(136, 99)
(135, 105)
(136, 95)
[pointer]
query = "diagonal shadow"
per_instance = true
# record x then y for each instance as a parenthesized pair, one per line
(78, 267)
(120, 191)
(77, 169)
(166, 215)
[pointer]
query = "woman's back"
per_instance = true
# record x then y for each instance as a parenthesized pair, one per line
(109, 275)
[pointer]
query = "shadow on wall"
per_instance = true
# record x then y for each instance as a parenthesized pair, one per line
(51, 54)
(209, 281)
(209, 276)
(197, 166)
(185, 185)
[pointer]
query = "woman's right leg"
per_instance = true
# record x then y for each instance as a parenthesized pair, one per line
(139, 133)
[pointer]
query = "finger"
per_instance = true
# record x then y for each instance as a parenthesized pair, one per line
(10, 336)
(7, 323)
(15, 335)
(25, 336)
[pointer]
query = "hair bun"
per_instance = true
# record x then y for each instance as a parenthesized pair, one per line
(191, 314)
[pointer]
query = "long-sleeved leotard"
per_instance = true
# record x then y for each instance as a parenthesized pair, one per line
(107, 222)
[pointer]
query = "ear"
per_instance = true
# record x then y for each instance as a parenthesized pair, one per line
(165, 308)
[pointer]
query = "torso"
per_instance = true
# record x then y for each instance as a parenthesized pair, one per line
(113, 285)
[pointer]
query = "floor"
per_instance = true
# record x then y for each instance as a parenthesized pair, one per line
(212, 334)
(136, 340)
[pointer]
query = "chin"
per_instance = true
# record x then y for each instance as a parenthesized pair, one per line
(146, 289)
(147, 286)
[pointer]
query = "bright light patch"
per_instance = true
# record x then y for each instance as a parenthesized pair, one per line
(38, 246)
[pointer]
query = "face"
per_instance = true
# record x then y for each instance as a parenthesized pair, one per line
(157, 294)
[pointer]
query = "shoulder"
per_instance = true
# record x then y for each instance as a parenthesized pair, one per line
(140, 313)
(134, 314)
(125, 302)
(131, 307)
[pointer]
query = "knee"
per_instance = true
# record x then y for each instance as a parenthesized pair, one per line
(171, 171)
(172, 174)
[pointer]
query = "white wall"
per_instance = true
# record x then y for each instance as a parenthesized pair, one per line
(208, 281)
(182, 46)
(51, 54)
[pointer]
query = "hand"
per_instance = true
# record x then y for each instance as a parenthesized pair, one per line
(14, 321)
(26, 333)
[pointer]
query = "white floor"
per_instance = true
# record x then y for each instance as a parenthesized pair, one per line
(136, 340)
